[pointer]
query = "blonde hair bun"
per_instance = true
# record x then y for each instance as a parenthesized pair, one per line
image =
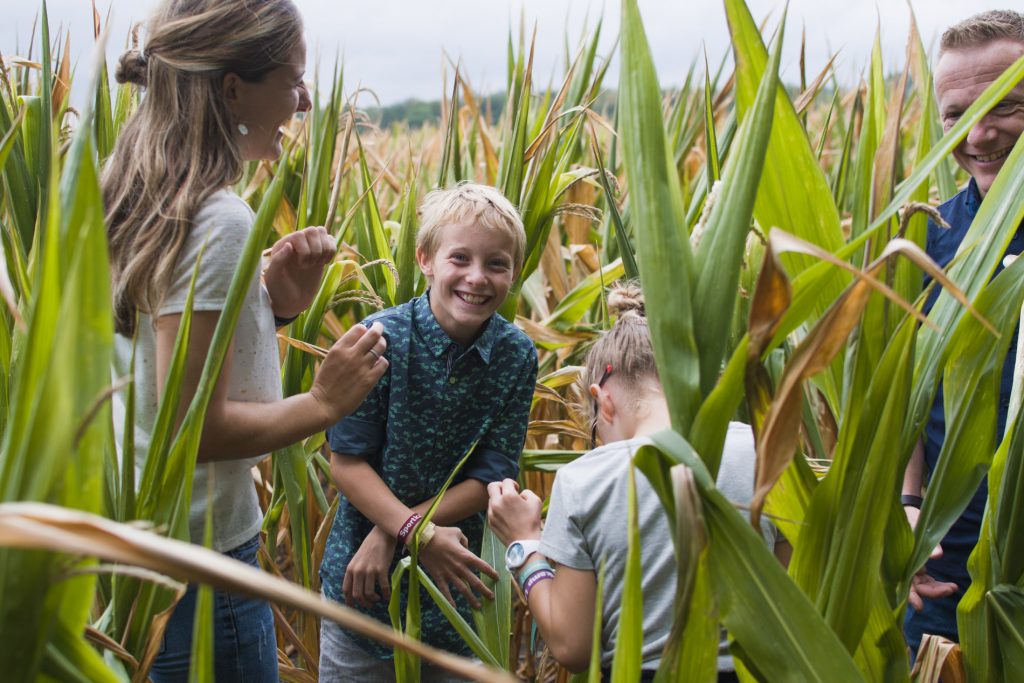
(132, 68)
(626, 298)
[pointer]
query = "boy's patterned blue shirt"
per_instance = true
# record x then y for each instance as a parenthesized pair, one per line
(434, 402)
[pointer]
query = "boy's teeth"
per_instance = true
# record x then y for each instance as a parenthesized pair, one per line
(473, 299)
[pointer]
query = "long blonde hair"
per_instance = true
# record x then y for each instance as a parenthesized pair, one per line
(180, 146)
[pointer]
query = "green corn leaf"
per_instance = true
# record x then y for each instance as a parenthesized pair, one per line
(375, 238)
(722, 247)
(201, 667)
(629, 639)
(844, 531)
(575, 305)
(808, 292)
(494, 620)
(972, 612)
(666, 264)
(55, 430)
(593, 674)
(626, 251)
(809, 213)
(971, 393)
(405, 250)
(754, 594)
(69, 658)
(475, 643)
(870, 138)
(982, 248)
(692, 650)
(713, 170)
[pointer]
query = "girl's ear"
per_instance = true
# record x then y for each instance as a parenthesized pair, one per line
(605, 404)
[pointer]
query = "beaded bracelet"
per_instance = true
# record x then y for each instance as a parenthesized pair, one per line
(535, 578)
(406, 530)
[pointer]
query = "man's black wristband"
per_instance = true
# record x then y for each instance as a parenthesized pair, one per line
(911, 501)
(281, 322)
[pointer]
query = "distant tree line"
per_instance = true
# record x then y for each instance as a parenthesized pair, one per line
(413, 113)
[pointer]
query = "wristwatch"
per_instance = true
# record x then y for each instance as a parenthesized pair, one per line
(518, 551)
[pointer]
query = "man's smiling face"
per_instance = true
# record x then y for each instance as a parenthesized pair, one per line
(961, 76)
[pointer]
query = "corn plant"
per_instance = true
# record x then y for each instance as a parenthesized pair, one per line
(778, 239)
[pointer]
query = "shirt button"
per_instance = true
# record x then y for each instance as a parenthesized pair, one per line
(451, 380)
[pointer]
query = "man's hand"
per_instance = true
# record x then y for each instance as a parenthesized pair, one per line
(450, 562)
(369, 568)
(924, 587)
(513, 516)
(296, 267)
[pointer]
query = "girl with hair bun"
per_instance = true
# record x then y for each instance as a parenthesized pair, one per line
(586, 522)
(221, 77)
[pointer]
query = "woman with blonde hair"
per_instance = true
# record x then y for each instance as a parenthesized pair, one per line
(221, 78)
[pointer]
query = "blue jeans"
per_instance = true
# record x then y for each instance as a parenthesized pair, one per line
(245, 647)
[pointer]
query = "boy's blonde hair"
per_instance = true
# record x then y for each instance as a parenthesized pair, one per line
(470, 202)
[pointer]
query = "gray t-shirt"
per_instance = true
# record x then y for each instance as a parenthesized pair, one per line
(223, 223)
(586, 522)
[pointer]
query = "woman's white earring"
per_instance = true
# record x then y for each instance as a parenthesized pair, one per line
(243, 129)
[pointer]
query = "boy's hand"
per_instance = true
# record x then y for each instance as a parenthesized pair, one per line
(296, 266)
(369, 568)
(513, 516)
(448, 559)
(352, 366)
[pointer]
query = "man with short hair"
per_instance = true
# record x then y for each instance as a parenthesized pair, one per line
(972, 55)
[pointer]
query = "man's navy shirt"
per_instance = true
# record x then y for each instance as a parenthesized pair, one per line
(939, 616)
(435, 401)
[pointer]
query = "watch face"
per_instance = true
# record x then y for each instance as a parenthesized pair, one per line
(515, 555)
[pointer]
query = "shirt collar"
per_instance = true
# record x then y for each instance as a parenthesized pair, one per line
(972, 200)
(438, 341)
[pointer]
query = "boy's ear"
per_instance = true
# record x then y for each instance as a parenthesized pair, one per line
(424, 261)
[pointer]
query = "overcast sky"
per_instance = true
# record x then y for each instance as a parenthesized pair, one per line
(395, 47)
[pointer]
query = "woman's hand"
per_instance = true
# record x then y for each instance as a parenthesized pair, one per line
(296, 267)
(369, 568)
(449, 561)
(513, 516)
(353, 365)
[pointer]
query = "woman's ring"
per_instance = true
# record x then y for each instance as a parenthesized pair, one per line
(376, 356)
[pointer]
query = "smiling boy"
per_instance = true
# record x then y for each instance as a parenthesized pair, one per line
(459, 375)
